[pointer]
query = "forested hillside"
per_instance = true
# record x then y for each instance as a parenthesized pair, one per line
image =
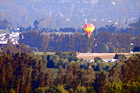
(24, 72)
(69, 46)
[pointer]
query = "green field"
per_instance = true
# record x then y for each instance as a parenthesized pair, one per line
(91, 55)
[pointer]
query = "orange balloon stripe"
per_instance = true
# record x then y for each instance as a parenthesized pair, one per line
(88, 25)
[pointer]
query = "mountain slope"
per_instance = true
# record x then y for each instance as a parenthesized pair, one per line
(69, 13)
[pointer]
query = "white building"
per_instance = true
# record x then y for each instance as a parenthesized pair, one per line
(109, 60)
(14, 37)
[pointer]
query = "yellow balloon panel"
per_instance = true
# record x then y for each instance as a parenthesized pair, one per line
(89, 29)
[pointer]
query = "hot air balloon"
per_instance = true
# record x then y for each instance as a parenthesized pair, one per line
(89, 28)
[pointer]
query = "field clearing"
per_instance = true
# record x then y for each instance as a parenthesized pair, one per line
(46, 53)
(102, 55)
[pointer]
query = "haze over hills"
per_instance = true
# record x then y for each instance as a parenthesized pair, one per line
(69, 13)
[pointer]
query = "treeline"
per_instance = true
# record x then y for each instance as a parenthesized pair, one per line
(23, 72)
(103, 42)
(104, 39)
(132, 28)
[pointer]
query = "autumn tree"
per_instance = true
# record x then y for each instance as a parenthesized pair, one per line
(60, 77)
(101, 82)
(131, 70)
(90, 76)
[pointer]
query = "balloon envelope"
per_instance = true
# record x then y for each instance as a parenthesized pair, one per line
(89, 28)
